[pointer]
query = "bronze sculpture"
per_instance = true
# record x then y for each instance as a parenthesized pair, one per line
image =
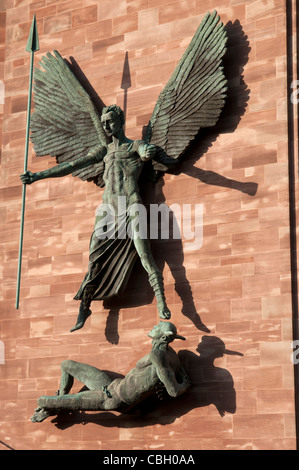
(66, 125)
(160, 366)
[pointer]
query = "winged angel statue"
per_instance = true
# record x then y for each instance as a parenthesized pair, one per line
(65, 124)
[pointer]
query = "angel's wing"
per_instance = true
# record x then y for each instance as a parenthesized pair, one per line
(65, 123)
(194, 95)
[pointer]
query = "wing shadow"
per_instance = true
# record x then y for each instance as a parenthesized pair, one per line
(238, 95)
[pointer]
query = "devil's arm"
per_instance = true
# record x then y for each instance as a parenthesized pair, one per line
(167, 375)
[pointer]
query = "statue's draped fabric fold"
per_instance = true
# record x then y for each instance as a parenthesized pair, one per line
(110, 264)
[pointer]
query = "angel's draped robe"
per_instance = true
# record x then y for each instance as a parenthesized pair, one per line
(112, 257)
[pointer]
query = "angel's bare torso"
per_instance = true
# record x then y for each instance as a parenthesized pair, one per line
(122, 170)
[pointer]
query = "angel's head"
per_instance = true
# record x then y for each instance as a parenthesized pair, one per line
(113, 119)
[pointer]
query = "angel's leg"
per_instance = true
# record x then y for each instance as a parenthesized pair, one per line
(84, 309)
(154, 276)
(88, 291)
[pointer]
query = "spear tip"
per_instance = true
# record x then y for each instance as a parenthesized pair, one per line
(33, 42)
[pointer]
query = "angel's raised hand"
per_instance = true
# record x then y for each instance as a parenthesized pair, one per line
(27, 178)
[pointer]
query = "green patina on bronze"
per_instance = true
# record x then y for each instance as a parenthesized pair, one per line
(161, 368)
(66, 125)
(32, 47)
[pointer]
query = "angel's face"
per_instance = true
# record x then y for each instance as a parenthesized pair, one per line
(111, 124)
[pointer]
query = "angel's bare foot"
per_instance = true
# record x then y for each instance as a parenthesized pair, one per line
(40, 415)
(164, 311)
(82, 317)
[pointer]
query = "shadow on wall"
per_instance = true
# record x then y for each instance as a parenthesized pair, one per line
(211, 385)
(238, 94)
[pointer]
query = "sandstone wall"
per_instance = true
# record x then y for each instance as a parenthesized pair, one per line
(237, 286)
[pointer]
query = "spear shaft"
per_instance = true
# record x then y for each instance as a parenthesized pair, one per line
(32, 46)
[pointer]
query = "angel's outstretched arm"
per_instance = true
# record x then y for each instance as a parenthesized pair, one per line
(95, 155)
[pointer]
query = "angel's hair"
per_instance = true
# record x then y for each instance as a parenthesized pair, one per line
(115, 109)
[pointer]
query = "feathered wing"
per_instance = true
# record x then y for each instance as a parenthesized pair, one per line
(194, 95)
(65, 123)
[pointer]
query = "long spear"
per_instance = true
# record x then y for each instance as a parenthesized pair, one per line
(32, 47)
